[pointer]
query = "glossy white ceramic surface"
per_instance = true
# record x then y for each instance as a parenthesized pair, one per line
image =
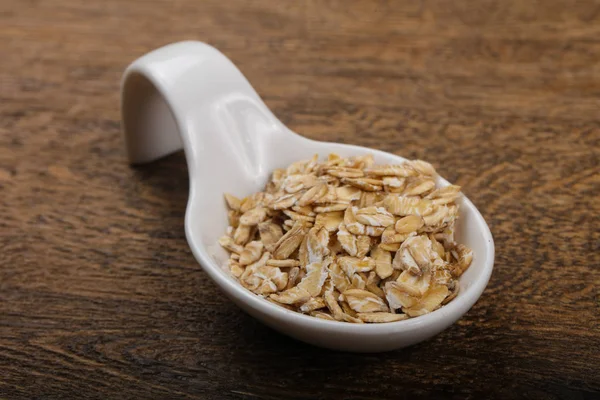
(189, 95)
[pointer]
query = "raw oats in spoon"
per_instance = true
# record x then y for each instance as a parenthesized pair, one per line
(347, 240)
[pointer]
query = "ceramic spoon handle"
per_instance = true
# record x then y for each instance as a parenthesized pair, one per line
(183, 96)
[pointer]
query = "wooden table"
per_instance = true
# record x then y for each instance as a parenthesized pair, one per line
(100, 296)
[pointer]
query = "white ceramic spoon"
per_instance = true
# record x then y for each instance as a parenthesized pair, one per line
(189, 95)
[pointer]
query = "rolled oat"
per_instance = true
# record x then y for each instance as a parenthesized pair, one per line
(347, 240)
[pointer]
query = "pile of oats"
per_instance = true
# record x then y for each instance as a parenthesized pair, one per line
(347, 240)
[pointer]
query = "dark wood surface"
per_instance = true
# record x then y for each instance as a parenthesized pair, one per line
(100, 296)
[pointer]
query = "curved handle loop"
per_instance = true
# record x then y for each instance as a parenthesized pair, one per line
(189, 95)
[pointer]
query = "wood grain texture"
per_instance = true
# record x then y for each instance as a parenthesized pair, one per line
(100, 296)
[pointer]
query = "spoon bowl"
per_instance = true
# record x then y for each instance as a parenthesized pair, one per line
(189, 95)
